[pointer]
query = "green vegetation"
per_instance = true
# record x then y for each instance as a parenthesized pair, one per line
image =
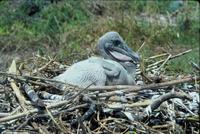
(69, 28)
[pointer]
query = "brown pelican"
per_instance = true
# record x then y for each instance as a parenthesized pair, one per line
(116, 66)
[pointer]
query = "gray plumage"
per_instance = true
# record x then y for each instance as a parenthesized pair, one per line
(116, 66)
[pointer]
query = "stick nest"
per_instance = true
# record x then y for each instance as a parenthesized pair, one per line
(31, 102)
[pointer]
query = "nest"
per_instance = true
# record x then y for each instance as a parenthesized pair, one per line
(32, 103)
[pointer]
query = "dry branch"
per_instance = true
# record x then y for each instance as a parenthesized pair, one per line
(195, 66)
(59, 104)
(43, 67)
(127, 88)
(172, 57)
(20, 97)
(156, 56)
(157, 102)
(15, 76)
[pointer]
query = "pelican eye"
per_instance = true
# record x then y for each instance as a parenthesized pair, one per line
(116, 43)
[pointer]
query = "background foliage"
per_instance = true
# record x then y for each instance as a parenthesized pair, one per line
(70, 29)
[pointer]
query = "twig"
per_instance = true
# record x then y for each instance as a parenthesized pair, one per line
(56, 123)
(194, 65)
(154, 65)
(152, 129)
(183, 106)
(55, 113)
(35, 110)
(161, 66)
(172, 57)
(128, 89)
(33, 96)
(141, 47)
(166, 126)
(87, 114)
(132, 105)
(43, 67)
(20, 97)
(135, 88)
(157, 102)
(20, 115)
(138, 104)
(145, 77)
(54, 62)
(29, 77)
(4, 114)
(156, 56)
